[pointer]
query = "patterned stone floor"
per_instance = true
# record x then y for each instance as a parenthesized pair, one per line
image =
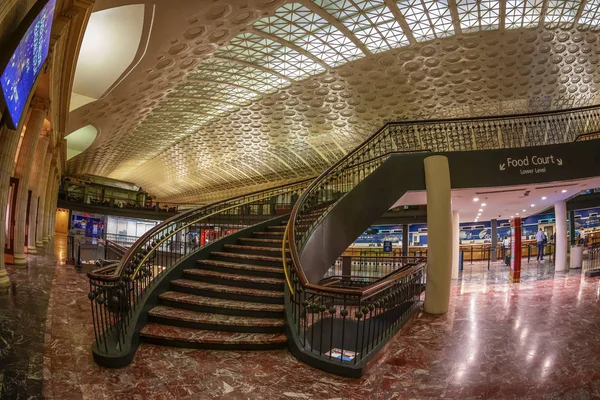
(538, 339)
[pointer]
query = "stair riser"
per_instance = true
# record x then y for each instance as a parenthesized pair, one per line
(276, 229)
(257, 252)
(265, 263)
(268, 235)
(237, 271)
(223, 311)
(261, 244)
(216, 327)
(231, 282)
(228, 296)
(214, 346)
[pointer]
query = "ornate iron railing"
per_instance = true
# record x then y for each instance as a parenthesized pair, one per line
(413, 136)
(117, 290)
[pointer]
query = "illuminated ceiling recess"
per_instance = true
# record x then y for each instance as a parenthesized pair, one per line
(247, 94)
(110, 42)
(80, 140)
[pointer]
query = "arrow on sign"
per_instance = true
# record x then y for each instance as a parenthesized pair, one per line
(559, 161)
(502, 167)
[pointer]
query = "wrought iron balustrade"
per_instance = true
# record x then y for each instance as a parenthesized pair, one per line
(116, 291)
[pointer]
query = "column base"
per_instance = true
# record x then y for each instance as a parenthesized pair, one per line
(19, 260)
(31, 250)
(4, 280)
(45, 239)
(39, 244)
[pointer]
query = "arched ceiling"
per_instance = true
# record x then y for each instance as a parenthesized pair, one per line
(236, 95)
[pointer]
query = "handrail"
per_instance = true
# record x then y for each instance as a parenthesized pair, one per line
(182, 216)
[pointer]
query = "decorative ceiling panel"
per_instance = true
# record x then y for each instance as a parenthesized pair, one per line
(251, 95)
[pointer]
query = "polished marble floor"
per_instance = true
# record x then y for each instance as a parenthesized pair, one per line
(538, 339)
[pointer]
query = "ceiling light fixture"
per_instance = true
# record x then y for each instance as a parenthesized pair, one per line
(513, 216)
(564, 190)
(517, 213)
(481, 210)
(476, 199)
(533, 205)
(524, 210)
(543, 197)
(483, 204)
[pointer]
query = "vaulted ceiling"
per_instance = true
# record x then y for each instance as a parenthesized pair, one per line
(230, 96)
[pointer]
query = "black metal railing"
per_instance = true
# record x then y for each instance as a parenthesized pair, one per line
(401, 137)
(125, 202)
(370, 265)
(123, 240)
(117, 290)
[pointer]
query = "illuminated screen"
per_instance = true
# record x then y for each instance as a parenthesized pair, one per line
(23, 67)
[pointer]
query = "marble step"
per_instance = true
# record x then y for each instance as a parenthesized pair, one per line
(268, 261)
(206, 339)
(277, 228)
(246, 281)
(221, 306)
(210, 321)
(263, 242)
(250, 249)
(269, 234)
(227, 292)
(242, 269)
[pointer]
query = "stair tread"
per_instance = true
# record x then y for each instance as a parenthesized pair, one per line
(253, 248)
(226, 289)
(220, 303)
(191, 335)
(246, 256)
(263, 240)
(278, 227)
(181, 314)
(234, 277)
(270, 233)
(249, 267)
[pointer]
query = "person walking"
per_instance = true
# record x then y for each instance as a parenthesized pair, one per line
(540, 238)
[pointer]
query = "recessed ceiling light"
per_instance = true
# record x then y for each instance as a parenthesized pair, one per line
(564, 190)
(517, 213)
(483, 204)
(476, 199)
(513, 216)
(533, 205)
(544, 198)
(481, 210)
(479, 215)
(524, 210)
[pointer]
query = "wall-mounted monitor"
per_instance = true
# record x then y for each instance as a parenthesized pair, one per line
(21, 70)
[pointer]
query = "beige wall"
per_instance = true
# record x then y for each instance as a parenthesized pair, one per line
(62, 221)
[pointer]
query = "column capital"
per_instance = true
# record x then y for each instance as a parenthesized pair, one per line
(39, 103)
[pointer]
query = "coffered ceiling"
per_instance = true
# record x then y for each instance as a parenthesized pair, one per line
(232, 96)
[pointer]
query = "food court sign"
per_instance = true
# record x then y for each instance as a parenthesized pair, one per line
(531, 165)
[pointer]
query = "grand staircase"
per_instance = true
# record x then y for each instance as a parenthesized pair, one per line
(233, 300)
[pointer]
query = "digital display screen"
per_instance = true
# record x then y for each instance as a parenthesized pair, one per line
(23, 67)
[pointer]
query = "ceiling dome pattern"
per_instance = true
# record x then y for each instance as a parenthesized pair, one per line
(295, 90)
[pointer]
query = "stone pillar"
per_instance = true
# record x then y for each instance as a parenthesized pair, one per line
(35, 178)
(43, 186)
(560, 213)
(571, 215)
(455, 243)
(47, 202)
(39, 108)
(494, 225)
(9, 140)
(49, 207)
(53, 203)
(439, 232)
(405, 241)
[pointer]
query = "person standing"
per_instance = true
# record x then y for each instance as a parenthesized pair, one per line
(540, 238)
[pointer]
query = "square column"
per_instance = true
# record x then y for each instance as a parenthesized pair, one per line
(561, 241)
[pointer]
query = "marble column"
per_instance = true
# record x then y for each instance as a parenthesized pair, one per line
(39, 108)
(560, 213)
(455, 243)
(9, 140)
(494, 250)
(43, 186)
(439, 235)
(48, 207)
(35, 177)
(53, 203)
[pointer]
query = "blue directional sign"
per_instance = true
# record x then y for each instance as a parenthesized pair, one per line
(387, 246)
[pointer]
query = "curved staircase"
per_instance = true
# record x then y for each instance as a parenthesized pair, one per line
(233, 300)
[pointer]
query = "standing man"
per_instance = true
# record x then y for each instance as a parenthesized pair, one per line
(539, 238)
